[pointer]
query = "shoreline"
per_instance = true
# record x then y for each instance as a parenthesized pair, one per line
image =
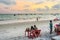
(22, 21)
(17, 29)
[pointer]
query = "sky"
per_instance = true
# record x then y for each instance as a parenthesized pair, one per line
(13, 6)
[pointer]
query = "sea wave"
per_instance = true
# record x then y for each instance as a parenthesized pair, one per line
(24, 20)
(16, 21)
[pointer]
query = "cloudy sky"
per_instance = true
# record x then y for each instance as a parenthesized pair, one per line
(10, 6)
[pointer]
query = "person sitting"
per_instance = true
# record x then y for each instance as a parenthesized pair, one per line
(35, 27)
(32, 28)
(37, 32)
(27, 29)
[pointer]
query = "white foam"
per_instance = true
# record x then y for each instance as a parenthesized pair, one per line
(26, 20)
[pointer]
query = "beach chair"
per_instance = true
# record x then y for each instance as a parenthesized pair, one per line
(58, 33)
(32, 33)
(37, 32)
(57, 29)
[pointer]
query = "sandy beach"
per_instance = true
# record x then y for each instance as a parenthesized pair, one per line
(15, 31)
(19, 17)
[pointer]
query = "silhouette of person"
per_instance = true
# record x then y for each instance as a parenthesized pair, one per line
(51, 26)
(35, 27)
(37, 18)
(32, 28)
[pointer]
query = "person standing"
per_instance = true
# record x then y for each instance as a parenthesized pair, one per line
(37, 18)
(51, 26)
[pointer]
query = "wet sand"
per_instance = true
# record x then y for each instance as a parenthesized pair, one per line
(15, 31)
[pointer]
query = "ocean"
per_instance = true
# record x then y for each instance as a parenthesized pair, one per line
(26, 16)
(16, 31)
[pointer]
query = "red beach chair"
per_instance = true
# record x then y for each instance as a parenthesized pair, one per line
(37, 32)
(32, 33)
(58, 33)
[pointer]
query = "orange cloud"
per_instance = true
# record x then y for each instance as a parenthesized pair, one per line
(20, 5)
(42, 5)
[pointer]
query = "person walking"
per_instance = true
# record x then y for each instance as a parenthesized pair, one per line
(51, 26)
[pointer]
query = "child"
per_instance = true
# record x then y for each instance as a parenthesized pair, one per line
(51, 26)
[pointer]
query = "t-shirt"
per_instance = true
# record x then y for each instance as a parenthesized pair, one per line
(51, 25)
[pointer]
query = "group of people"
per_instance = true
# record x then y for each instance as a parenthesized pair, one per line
(51, 27)
(34, 30)
(33, 27)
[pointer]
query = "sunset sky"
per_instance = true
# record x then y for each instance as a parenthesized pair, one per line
(10, 6)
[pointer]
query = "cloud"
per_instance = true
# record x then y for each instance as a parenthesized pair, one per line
(26, 6)
(39, 2)
(38, 9)
(46, 7)
(7, 2)
(57, 6)
(6, 7)
(35, 1)
(53, 0)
